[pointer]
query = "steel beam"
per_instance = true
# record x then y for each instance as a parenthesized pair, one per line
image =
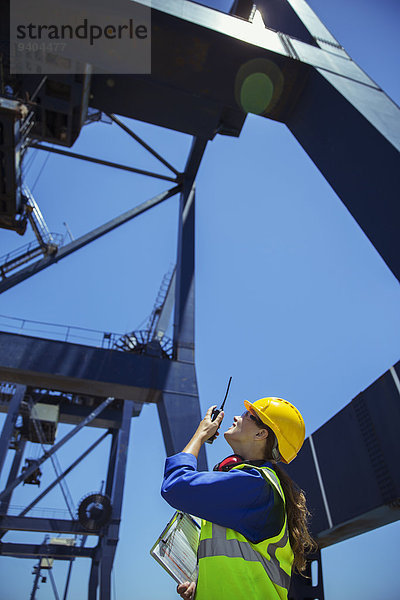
(99, 161)
(44, 525)
(15, 466)
(179, 417)
(55, 448)
(356, 488)
(62, 475)
(118, 466)
(355, 151)
(9, 425)
(216, 46)
(343, 120)
(103, 557)
(35, 586)
(193, 163)
(192, 166)
(210, 24)
(21, 519)
(184, 288)
(318, 31)
(115, 489)
(277, 15)
(11, 144)
(111, 464)
(89, 371)
(68, 580)
(179, 413)
(93, 579)
(144, 145)
(82, 241)
(51, 550)
(53, 585)
(72, 414)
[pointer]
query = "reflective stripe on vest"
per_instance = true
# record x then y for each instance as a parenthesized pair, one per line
(220, 543)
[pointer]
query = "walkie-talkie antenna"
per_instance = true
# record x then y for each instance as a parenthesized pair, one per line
(227, 392)
(216, 411)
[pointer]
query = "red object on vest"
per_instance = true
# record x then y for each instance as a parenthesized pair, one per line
(236, 459)
(229, 462)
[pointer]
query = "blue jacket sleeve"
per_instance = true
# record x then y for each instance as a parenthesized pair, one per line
(240, 499)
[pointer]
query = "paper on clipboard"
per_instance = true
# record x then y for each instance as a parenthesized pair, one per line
(176, 548)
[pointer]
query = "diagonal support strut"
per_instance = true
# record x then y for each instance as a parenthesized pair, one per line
(82, 241)
(56, 447)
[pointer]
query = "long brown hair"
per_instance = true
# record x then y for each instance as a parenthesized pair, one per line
(297, 512)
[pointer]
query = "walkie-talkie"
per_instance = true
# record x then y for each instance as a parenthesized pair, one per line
(217, 411)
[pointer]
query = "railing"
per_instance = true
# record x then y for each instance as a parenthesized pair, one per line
(135, 341)
(51, 513)
(13, 254)
(36, 218)
(16, 258)
(64, 333)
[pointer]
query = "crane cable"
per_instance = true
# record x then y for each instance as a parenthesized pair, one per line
(41, 171)
(30, 161)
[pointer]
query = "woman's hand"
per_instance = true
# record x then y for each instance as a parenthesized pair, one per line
(186, 590)
(205, 430)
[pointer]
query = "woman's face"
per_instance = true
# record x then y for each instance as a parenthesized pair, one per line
(243, 429)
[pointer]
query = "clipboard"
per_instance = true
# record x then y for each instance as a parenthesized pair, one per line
(176, 548)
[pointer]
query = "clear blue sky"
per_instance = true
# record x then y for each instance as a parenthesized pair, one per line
(292, 300)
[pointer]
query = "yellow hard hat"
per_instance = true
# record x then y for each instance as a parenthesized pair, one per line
(285, 421)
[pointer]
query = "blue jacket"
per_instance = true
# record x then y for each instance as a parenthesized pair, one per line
(240, 499)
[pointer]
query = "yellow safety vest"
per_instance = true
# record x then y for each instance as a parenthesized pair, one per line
(232, 568)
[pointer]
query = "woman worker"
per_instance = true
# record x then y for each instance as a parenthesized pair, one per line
(254, 518)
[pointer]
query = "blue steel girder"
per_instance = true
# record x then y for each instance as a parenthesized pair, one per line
(184, 287)
(115, 483)
(364, 464)
(90, 371)
(12, 474)
(73, 413)
(47, 454)
(94, 371)
(179, 409)
(105, 163)
(55, 551)
(21, 516)
(9, 424)
(179, 412)
(44, 525)
(117, 467)
(343, 120)
(93, 579)
(179, 416)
